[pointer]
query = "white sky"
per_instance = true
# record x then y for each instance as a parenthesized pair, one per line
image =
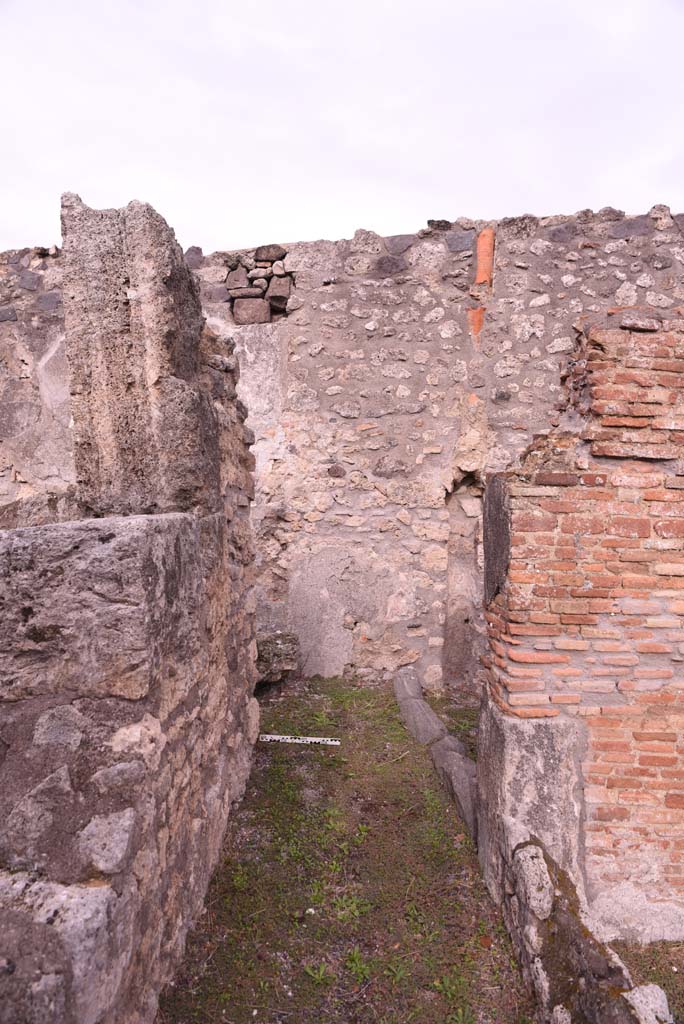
(259, 121)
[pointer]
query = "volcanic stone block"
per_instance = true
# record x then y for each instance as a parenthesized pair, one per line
(278, 293)
(396, 244)
(237, 278)
(146, 436)
(251, 311)
(421, 721)
(497, 535)
(460, 241)
(246, 293)
(194, 257)
(89, 608)
(270, 253)
(386, 266)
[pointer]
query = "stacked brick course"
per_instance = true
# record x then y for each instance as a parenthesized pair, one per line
(589, 621)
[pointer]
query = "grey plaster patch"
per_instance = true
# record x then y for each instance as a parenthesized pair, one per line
(627, 912)
(330, 590)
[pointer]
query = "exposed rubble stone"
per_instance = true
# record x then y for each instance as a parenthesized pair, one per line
(277, 656)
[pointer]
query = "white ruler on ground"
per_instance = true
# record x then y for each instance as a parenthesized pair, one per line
(272, 737)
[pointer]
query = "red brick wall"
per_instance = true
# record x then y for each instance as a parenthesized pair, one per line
(590, 619)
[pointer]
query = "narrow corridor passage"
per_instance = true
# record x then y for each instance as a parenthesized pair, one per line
(348, 890)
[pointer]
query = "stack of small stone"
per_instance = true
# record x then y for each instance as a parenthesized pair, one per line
(256, 283)
(259, 286)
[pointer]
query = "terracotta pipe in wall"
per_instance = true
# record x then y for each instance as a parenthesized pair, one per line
(484, 273)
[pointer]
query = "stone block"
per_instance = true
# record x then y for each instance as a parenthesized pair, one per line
(58, 578)
(246, 293)
(397, 244)
(216, 293)
(460, 241)
(277, 655)
(650, 1005)
(251, 311)
(279, 292)
(387, 266)
(145, 431)
(269, 253)
(421, 721)
(194, 257)
(237, 278)
(459, 774)
(407, 684)
(529, 774)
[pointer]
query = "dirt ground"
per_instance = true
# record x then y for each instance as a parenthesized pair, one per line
(348, 890)
(662, 964)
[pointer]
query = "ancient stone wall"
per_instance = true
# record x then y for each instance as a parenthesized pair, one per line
(389, 382)
(127, 649)
(391, 379)
(404, 371)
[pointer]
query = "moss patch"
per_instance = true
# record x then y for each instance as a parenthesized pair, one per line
(348, 889)
(661, 963)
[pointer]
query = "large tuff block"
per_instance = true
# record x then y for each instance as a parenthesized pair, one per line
(529, 786)
(94, 608)
(145, 432)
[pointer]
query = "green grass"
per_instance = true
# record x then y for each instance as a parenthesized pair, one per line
(348, 890)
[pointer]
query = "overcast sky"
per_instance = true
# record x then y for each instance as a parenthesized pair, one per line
(250, 122)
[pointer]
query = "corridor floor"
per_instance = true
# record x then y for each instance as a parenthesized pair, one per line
(348, 890)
